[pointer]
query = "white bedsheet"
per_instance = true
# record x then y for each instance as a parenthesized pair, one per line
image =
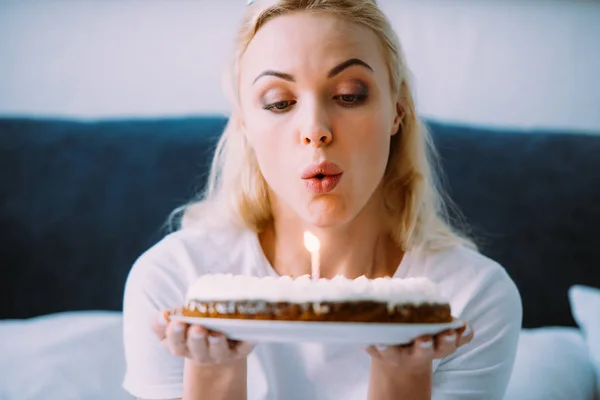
(68, 356)
(79, 356)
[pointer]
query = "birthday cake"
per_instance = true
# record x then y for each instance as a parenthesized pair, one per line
(381, 300)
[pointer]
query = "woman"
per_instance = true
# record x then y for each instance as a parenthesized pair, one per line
(323, 137)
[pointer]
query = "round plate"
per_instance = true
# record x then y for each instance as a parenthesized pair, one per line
(323, 332)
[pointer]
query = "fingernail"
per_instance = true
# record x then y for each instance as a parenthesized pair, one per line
(381, 347)
(214, 339)
(162, 321)
(467, 330)
(450, 338)
(426, 344)
(178, 328)
(197, 335)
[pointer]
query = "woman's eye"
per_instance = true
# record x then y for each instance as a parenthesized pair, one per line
(351, 99)
(279, 106)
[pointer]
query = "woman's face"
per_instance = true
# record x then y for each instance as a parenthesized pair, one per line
(318, 110)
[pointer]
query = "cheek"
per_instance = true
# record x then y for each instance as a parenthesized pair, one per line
(270, 151)
(369, 158)
(372, 148)
(261, 138)
(265, 149)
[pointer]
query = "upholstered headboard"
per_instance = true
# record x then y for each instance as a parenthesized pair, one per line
(80, 201)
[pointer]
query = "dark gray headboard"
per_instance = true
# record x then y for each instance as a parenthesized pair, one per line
(80, 201)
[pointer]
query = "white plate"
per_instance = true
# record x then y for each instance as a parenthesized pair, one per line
(323, 332)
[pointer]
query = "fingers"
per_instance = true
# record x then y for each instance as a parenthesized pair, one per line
(159, 326)
(466, 334)
(218, 347)
(176, 339)
(197, 343)
(424, 349)
(421, 349)
(417, 354)
(393, 354)
(373, 352)
(242, 349)
(445, 344)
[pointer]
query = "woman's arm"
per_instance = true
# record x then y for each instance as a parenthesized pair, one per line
(157, 349)
(215, 368)
(406, 370)
(214, 383)
(223, 382)
(389, 383)
(478, 370)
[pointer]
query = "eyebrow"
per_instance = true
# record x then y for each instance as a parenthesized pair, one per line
(332, 72)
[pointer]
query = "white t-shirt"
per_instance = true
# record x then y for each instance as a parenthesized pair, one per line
(479, 291)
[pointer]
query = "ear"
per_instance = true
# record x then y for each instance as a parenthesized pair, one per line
(399, 116)
(242, 130)
(240, 125)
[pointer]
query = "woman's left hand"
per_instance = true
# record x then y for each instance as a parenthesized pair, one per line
(419, 354)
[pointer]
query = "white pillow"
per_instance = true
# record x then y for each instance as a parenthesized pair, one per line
(67, 356)
(551, 363)
(585, 305)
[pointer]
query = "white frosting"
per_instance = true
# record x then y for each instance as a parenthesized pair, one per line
(222, 287)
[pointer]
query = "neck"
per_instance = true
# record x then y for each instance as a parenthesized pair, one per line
(363, 246)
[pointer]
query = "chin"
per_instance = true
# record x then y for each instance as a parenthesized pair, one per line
(327, 212)
(325, 221)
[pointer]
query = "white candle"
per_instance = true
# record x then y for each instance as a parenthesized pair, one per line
(312, 244)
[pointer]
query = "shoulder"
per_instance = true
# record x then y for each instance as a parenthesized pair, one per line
(456, 260)
(197, 248)
(168, 267)
(460, 266)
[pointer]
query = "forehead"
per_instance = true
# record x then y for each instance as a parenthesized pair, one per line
(305, 43)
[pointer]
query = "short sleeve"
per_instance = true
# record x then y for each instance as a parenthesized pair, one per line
(482, 369)
(151, 371)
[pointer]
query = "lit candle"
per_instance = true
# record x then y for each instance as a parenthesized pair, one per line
(312, 244)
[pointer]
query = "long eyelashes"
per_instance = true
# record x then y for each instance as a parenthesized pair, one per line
(349, 100)
(344, 100)
(279, 106)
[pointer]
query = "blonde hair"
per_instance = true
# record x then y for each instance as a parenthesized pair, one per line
(237, 190)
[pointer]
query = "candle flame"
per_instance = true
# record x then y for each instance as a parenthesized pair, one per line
(311, 242)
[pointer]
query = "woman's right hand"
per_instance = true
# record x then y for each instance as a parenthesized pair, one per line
(196, 343)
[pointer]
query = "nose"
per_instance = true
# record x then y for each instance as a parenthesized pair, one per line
(317, 131)
(317, 138)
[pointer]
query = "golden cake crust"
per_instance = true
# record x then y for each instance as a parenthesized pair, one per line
(349, 311)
